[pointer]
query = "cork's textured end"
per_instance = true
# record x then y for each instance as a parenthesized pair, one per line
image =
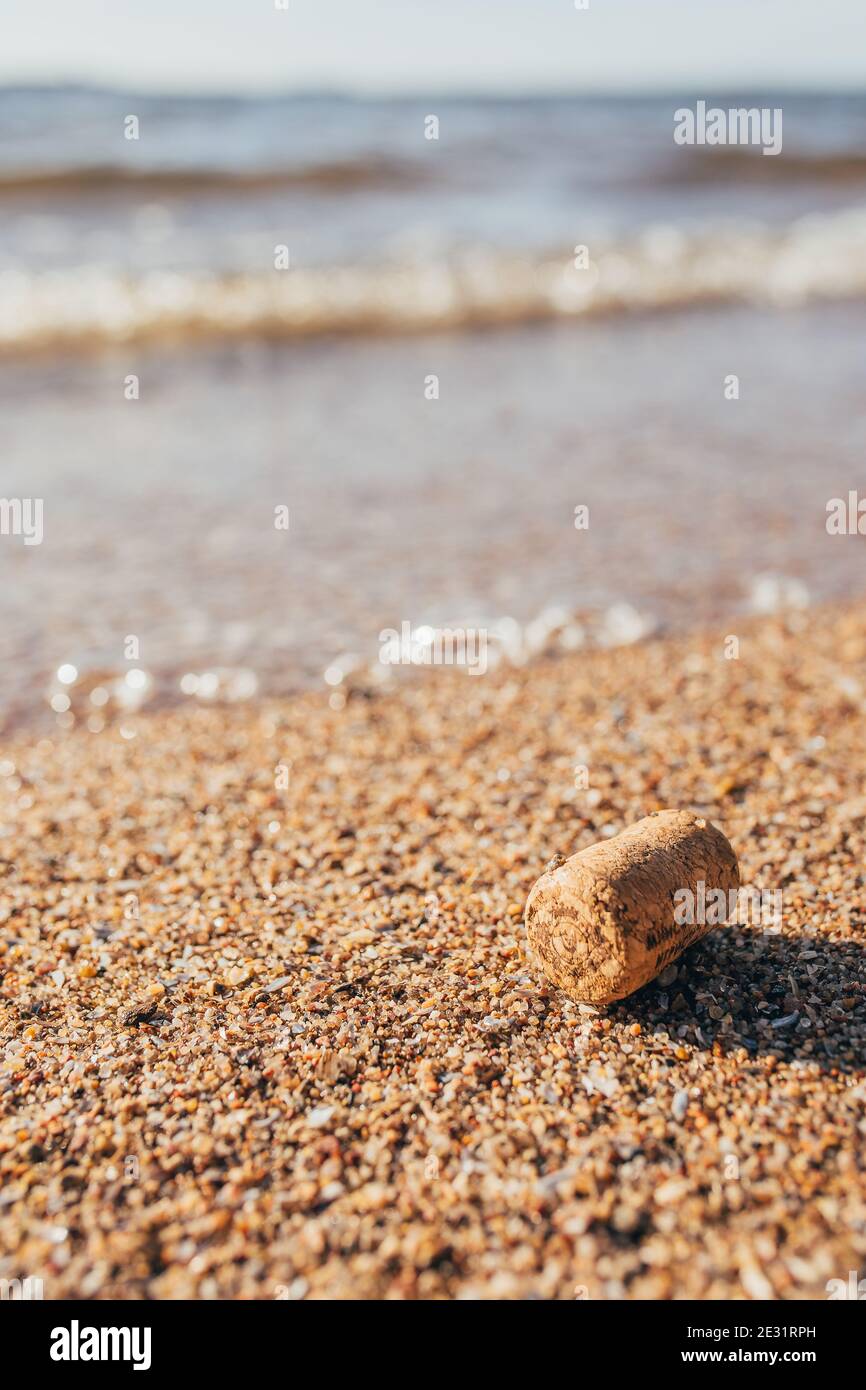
(603, 923)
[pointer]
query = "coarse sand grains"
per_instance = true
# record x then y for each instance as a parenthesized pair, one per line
(269, 1043)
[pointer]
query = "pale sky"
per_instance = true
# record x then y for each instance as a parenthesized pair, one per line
(425, 45)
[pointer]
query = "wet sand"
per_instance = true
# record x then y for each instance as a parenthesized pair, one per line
(282, 1042)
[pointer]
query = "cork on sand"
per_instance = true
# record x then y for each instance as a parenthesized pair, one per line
(602, 923)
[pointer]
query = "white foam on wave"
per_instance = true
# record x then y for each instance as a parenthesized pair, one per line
(817, 257)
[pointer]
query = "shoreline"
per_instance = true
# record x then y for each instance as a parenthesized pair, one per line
(396, 657)
(285, 1041)
(440, 519)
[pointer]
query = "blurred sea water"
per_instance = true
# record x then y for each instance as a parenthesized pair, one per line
(410, 259)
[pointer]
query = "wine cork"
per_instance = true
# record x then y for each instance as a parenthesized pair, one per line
(605, 922)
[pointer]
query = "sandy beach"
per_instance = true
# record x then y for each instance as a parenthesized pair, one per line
(322, 376)
(270, 1029)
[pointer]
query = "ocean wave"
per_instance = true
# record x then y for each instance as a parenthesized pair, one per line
(745, 164)
(817, 258)
(121, 180)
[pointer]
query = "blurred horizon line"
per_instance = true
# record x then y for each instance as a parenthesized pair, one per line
(454, 95)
